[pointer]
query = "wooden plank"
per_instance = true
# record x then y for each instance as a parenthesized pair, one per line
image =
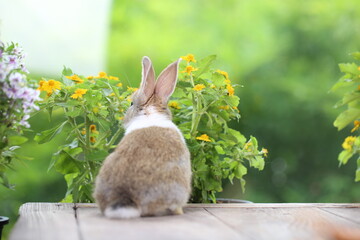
(259, 205)
(196, 223)
(274, 205)
(349, 213)
(283, 222)
(44, 221)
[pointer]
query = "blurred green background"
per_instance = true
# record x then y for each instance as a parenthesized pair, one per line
(284, 53)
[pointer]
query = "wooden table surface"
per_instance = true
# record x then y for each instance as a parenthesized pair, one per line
(69, 221)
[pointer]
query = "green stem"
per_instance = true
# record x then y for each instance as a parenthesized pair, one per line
(74, 125)
(113, 138)
(87, 129)
(196, 116)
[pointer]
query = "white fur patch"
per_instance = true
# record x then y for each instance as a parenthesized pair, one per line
(122, 212)
(152, 119)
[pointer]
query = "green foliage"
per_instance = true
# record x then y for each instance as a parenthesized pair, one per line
(350, 84)
(204, 103)
(93, 108)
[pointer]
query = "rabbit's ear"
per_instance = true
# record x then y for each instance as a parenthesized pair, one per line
(166, 82)
(147, 85)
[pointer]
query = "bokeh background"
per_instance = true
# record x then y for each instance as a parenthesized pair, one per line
(284, 53)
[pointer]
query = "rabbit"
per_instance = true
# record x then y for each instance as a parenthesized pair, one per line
(149, 172)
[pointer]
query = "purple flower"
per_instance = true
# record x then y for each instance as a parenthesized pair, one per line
(24, 121)
(17, 78)
(21, 98)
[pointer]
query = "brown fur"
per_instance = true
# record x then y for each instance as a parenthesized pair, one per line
(150, 168)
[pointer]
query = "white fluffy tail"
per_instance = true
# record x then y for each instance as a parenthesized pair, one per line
(122, 212)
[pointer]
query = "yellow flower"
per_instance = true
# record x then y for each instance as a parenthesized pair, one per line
(92, 139)
(235, 108)
(248, 145)
(265, 152)
(225, 107)
(225, 74)
(356, 125)
(93, 129)
(204, 137)
(348, 143)
(230, 89)
(49, 86)
(227, 81)
(112, 94)
(131, 89)
(189, 58)
(83, 131)
(189, 69)
(113, 78)
(119, 85)
(199, 87)
(41, 85)
(95, 110)
(89, 77)
(359, 68)
(75, 78)
(78, 93)
(174, 104)
(102, 75)
(212, 86)
(52, 84)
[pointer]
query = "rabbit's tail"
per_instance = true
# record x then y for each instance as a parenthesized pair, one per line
(124, 207)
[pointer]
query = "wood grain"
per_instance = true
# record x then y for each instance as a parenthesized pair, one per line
(351, 213)
(200, 221)
(45, 221)
(283, 222)
(196, 223)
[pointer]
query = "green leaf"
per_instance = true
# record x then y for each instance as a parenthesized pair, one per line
(98, 156)
(16, 140)
(69, 103)
(351, 68)
(218, 79)
(178, 93)
(239, 137)
(47, 135)
(74, 113)
(242, 182)
(65, 163)
(356, 55)
(233, 100)
(344, 81)
(204, 65)
(346, 117)
(344, 156)
(67, 72)
(219, 149)
(240, 171)
(348, 97)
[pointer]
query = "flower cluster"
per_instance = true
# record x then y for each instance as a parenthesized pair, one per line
(16, 94)
(349, 86)
(93, 108)
(205, 103)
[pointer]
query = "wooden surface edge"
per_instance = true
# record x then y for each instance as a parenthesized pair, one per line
(36, 206)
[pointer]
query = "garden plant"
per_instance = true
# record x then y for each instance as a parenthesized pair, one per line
(349, 84)
(18, 95)
(203, 104)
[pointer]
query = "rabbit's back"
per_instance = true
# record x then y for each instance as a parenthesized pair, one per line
(151, 166)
